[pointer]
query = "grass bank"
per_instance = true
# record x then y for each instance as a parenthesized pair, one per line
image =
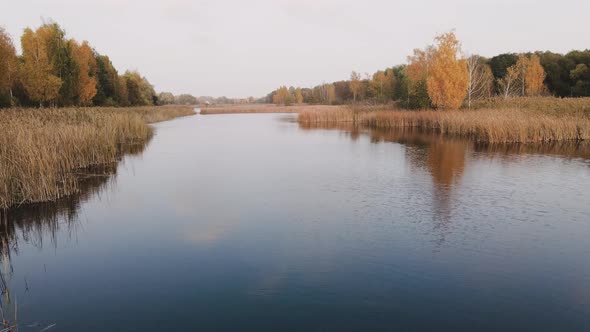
(264, 108)
(45, 152)
(539, 120)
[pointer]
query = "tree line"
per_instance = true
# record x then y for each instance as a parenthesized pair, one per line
(167, 98)
(441, 76)
(54, 70)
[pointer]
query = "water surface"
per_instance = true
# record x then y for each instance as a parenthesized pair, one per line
(249, 222)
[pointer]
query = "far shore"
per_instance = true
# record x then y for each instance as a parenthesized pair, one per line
(263, 108)
(493, 120)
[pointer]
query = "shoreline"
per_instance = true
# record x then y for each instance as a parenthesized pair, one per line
(45, 153)
(520, 120)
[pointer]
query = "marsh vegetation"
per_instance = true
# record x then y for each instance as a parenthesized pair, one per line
(44, 152)
(516, 121)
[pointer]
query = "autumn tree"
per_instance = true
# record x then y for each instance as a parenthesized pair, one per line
(298, 96)
(448, 77)
(507, 84)
(534, 76)
(139, 90)
(86, 62)
(281, 96)
(148, 93)
(481, 79)
(38, 80)
(355, 85)
(521, 68)
(60, 53)
(121, 91)
(326, 93)
(390, 83)
(417, 72)
(8, 63)
(531, 75)
(377, 85)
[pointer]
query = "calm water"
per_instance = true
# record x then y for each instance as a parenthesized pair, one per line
(252, 223)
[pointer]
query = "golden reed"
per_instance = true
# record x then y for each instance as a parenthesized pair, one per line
(42, 151)
(537, 122)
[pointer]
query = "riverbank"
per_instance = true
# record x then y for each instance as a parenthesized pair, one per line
(265, 108)
(45, 152)
(519, 120)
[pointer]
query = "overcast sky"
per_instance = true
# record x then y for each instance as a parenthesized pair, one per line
(239, 48)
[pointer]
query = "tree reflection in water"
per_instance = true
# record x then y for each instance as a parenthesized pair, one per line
(445, 159)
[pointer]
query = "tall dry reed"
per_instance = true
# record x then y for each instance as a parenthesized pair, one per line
(545, 105)
(484, 125)
(42, 151)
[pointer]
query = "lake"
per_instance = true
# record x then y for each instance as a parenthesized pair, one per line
(249, 222)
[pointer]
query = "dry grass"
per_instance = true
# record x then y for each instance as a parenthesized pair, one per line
(43, 151)
(545, 105)
(264, 108)
(484, 125)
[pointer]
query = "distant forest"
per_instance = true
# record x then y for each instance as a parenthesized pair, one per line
(445, 67)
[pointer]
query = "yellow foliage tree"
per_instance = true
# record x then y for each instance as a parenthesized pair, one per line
(84, 57)
(281, 96)
(355, 85)
(298, 96)
(377, 84)
(41, 85)
(448, 77)
(534, 76)
(328, 93)
(7, 63)
(419, 65)
(530, 75)
(417, 72)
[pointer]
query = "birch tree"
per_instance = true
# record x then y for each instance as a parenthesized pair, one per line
(448, 78)
(480, 79)
(508, 82)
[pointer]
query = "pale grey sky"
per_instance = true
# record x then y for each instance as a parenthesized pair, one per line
(248, 48)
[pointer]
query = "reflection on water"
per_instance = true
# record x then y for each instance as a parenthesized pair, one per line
(445, 158)
(252, 223)
(35, 224)
(32, 222)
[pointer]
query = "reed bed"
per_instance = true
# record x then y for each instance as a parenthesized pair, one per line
(265, 108)
(44, 152)
(545, 105)
(484, 125)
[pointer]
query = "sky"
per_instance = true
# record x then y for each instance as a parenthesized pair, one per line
(238, 48)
